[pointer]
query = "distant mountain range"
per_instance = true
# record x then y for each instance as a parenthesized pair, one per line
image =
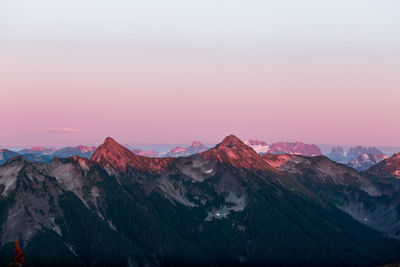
(225, 206)
(359, 158)
(341, 155)
(41, 154)
(6, 154)
(260, 147)
(177, 151)
(299, 148)
(366, 161)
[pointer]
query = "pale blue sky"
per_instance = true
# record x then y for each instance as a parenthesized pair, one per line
(341, 24)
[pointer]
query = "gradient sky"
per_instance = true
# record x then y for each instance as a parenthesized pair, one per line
(170, 71)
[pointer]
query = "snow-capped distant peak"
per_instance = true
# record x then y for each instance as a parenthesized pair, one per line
(178, 149)
(364, 156)
(260, 147)
(196, 143)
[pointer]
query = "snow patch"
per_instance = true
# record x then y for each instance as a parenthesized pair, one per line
(112, 226)
(365, 156)
(208, 171)
(239, 203)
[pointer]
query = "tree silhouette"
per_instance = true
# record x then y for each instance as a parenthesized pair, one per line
(19, 259)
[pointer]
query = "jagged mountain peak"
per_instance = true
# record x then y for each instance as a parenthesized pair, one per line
(196, 143)
(235, 152)
(110, 145)
(110, 141)
(114, 155)
(232, 141)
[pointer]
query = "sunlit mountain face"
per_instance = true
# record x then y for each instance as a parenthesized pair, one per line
(227, 205)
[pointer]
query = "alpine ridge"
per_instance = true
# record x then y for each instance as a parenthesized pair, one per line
(113, 155)
(389, 167)
(6, 154)
(226, 206)
(235, 152)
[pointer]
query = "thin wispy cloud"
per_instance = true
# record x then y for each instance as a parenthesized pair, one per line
(53, 130)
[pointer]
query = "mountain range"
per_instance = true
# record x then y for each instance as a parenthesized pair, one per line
(366, 161)
(178, 151)
(6, 154)
(360, 158)
(42, 154)
(227, 205)
(299, 148)
(341, 155)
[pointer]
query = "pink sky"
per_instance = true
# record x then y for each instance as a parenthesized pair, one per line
(78, 86)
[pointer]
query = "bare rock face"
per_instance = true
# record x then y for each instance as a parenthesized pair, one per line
(389, 167)
(368, 197)
(33, 209)
(320, 170)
